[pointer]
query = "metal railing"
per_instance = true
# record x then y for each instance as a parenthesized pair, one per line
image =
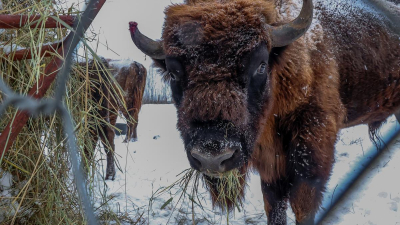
(33, 105)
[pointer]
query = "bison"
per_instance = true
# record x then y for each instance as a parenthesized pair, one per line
(132, 79)
(258, 84)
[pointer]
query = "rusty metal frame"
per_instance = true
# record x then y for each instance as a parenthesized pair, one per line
(34, 104)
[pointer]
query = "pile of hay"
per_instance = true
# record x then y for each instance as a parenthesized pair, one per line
(36, 184)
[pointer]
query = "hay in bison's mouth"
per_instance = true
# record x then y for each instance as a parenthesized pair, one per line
(226, 189)
(218, 175)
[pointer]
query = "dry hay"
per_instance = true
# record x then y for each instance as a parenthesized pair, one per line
(42, 190)
(226, 193)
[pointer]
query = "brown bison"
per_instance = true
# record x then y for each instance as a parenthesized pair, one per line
(260, 84)
(131, 78)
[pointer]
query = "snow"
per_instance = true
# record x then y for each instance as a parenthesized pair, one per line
(118, 64)
(378, 196)
(7, 49)
(5, 195)
(152, 163)
(5, 184)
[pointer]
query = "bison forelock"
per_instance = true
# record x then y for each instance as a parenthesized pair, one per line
(230, 28)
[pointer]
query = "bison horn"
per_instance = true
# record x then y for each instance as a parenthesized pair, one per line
(288, 33)
(152, 48)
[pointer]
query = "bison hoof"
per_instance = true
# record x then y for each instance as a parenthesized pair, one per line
(130, 140)
(110, 173)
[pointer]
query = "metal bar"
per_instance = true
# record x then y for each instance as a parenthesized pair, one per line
(80, 181)
(13, 128)
(45, 51)
(349, 185)
(47, 107)
(18, 21)
(38, 90)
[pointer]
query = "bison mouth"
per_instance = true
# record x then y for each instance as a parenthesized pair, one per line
(214, 151)
(221, 156)
(227, 189)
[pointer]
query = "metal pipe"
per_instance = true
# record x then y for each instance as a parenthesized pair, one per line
(358, 172)
(18, 21)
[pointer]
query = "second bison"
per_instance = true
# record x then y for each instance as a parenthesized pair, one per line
(131, 78)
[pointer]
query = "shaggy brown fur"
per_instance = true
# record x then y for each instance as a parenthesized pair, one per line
(132, 80)
(343, 72)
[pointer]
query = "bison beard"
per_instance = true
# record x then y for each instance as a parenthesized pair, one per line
(241, 72)
(225, 193)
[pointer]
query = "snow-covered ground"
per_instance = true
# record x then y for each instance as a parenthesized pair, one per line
(155, 160)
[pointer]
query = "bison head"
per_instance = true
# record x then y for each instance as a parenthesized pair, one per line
(216, 56)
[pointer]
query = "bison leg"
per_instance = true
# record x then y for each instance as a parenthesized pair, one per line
(311, 169)
(311, 162)
(310, 147)
(131, 134)
(91, 146)
(305, 199)
(107, 138)
(275, 202)
(128, 126)
(133, 129)
(89, 149)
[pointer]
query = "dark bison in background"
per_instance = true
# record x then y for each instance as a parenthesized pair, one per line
(132, 79)
(259, 84)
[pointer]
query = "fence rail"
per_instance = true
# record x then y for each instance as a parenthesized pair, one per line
(34, 104)
(18, 21)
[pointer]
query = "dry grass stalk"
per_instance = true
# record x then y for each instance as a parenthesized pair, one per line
(226, 191)
(42, 190)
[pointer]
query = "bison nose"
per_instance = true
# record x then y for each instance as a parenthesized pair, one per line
(213, 163)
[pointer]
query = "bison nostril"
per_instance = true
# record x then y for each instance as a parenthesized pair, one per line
(196, 161)
(233, 155)
(211, 162)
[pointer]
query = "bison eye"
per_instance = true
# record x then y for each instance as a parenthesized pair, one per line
(261, 69)
(173, 76)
